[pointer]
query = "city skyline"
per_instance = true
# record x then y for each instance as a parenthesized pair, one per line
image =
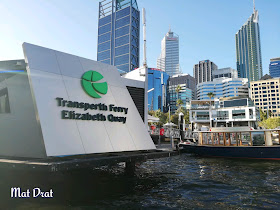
(69, 30)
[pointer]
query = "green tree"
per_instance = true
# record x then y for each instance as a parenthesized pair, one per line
(179, 103)
(175, 118)
(263, 115)
(163, 117)
(151, 112)
(270, 123)
(177, 90)
(210, 95)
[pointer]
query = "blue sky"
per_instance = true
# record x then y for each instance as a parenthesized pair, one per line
(206, 28)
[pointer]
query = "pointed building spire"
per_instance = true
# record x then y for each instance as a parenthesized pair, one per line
(254, 6)
(169, 28)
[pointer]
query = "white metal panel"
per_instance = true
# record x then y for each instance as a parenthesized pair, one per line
(112, 75)
(40, 58)
(88, 64)
(69, 65)
(93, 133)
(61, 137)
(118, 132)
(134, 123)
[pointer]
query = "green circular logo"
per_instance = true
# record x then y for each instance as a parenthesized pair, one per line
(90, 85)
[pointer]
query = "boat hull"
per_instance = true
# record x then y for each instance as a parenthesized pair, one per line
(248, 152)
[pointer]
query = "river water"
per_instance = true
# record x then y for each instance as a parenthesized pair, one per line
(180, 182)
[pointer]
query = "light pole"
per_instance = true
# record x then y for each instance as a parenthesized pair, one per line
(181, 122)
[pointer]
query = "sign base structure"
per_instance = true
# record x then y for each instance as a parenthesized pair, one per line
(67, 105)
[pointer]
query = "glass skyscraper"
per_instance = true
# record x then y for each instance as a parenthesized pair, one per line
(186, 94)
(118, 34)
(248, 49)
(157, 79)
(274, 67)
(168, 60)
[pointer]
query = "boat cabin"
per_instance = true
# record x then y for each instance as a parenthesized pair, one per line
(238, 137)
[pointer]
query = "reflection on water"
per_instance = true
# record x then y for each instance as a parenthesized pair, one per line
(177, 182)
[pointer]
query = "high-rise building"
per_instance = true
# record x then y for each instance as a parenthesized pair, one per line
(265, 94)
(203, 71)
(274, 67)
(223, 87)
(224, 72)
(157, 83)
(248, 49)
(186, 92)
(118, 34)
(168, 60)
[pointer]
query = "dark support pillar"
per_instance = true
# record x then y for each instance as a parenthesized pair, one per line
(130, 168)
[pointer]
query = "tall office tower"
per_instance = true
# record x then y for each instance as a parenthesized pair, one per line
(157, 83)
(118, 34)
(168, 60)
(248, 49)
(274, 67)
(203, 71)
(186, 93)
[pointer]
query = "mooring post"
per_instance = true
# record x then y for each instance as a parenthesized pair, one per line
(130, 168)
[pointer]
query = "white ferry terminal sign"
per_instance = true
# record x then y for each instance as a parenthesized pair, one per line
(93, 89)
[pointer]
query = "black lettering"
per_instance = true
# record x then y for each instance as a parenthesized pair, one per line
(93, 106)
(72, 115)
(93, 117)
(75, 104)
(111, 107)
(124, 120)
(64, 114)
(59, 101)
(125, 110)
(110, 117)
(86, 106)
(88, 116)
(84, 117)
(63, 102)
(78, 115)
(81, 105)
(69, 104)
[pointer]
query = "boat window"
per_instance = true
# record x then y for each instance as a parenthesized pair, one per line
(233, 139)
(227, 139)
(245, 139)
(221, 138)
(258, 138)
(275, 136)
